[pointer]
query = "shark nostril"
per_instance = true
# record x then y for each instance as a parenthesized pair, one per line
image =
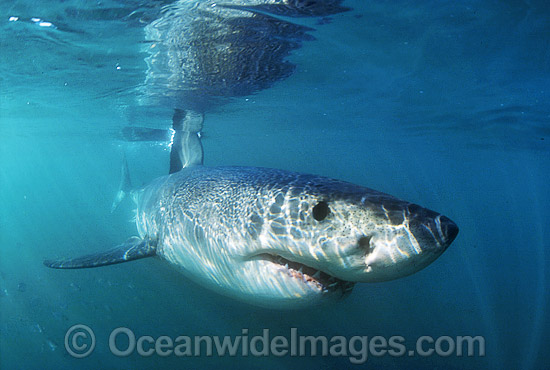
(364, 243)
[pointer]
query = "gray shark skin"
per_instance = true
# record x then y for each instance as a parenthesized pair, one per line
(276, 238)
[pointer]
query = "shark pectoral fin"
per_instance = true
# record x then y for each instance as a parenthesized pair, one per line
(133, 249)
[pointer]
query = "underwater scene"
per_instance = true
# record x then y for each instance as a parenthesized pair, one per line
(274, 184)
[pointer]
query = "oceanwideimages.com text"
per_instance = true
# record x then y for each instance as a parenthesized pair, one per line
(80, 342)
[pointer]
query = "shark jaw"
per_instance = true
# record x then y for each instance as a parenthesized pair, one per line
(311, 277)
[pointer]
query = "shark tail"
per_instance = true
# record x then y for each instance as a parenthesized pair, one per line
(125, 185)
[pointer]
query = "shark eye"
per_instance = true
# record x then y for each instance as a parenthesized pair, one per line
(321, 211)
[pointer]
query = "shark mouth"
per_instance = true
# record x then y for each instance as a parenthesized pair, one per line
(321, 280)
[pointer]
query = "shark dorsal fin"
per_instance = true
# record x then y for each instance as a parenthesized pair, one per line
(186, 147)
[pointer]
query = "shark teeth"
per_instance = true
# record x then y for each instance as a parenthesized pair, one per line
(309, 275)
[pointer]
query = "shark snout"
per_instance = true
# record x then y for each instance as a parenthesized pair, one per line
(410, 238)
(447, 229)
(433, 231)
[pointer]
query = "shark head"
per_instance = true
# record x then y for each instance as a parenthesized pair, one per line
(310, 244)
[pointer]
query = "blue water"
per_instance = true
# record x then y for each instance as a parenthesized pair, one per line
(443, 103)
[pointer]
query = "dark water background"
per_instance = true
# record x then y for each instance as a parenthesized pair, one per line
(442, 103)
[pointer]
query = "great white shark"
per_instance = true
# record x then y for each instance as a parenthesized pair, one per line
(271, 237)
